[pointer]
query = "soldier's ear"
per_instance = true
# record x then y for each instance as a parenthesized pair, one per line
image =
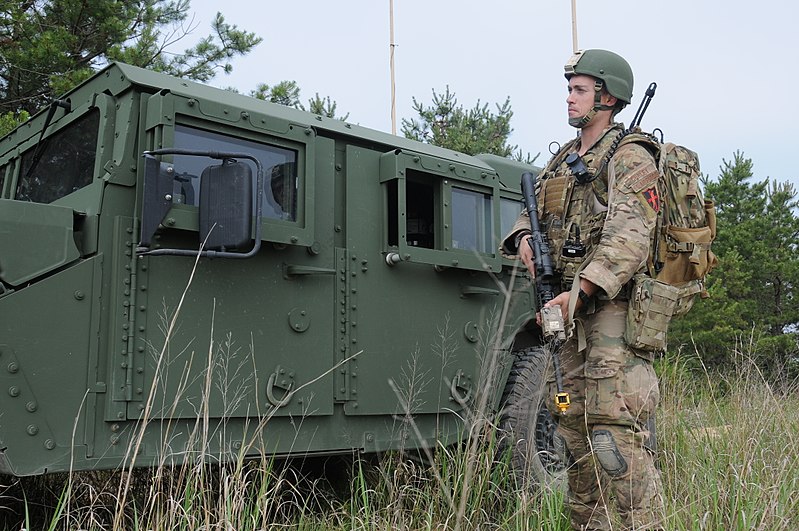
(609, 100)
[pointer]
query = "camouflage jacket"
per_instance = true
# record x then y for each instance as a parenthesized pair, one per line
(613, 217)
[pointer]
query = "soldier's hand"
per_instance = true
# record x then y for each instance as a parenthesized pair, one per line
(563, 300)
(526, 254)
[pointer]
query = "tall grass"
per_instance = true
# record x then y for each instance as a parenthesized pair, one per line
(728, 453)
(729, 449)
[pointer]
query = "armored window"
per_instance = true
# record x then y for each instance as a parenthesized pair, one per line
(509, 210)
(279, 199)
(472, 220)
(421, 212)
(64, 162)
(440, 212)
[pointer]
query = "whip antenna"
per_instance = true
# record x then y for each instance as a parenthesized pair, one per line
(393, 88)
(574, 26)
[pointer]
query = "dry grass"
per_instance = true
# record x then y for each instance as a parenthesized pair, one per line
(729, 452)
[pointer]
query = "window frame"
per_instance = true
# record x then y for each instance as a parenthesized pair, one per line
(107, 116)
(176, 110)
(397, 168)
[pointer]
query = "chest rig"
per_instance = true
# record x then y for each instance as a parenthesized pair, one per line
(572, 209)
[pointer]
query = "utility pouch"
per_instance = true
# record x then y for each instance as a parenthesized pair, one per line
(685, 252)
(652, 305)
(687, 255)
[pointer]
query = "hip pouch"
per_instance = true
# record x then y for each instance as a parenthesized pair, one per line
(652, 305)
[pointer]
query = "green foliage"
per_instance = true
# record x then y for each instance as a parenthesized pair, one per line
(10, 120)
(323, 107)
(48, 46)
(754, 287)
(285, 93)
(288, 93)
(477, 130)
(734, 437)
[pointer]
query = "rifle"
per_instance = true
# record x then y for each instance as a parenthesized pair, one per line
(545, 285)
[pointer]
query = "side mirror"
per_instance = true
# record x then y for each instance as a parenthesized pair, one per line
(226, 197)
(226, 204)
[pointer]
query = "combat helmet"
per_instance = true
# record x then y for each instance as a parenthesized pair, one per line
(610, 70)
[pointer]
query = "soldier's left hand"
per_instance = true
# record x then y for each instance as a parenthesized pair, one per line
(563, 300)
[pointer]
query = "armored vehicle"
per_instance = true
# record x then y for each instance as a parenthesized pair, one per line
(188, 273)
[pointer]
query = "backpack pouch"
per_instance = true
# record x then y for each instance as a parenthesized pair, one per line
(685, 254)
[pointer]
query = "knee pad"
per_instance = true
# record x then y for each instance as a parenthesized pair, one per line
(608, 454)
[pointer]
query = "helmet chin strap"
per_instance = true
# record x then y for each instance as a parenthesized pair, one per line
(581, 122)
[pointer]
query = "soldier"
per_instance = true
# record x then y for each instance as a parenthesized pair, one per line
(599, 212)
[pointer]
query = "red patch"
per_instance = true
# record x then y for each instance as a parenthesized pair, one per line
(651, 196)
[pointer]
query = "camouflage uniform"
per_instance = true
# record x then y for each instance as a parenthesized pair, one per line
(613, 387)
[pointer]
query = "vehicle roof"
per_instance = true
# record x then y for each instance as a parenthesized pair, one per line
(158, 81)
(119, 77)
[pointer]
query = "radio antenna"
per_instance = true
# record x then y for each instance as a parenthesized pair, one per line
(393, 87)
(574, 27)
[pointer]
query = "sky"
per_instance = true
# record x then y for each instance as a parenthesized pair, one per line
(725, 69)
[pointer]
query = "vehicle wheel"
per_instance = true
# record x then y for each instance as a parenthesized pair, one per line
(526, 426)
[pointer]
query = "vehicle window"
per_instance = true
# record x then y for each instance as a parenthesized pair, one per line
(65, 163)
(420, 227)
(280, 169)
(3, 170)
(472, 226)
(509, 210)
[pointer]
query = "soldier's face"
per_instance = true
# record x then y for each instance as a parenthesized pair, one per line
(581, 96)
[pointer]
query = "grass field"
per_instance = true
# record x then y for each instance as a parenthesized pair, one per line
(728, 453)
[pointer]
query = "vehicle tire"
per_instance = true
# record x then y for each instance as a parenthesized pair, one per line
(527, 429)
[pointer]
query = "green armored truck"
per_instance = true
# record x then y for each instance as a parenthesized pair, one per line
(188, 273)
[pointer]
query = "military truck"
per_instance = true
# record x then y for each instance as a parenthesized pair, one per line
(188, 273)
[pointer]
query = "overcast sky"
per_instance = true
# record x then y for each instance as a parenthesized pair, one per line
(726, 69)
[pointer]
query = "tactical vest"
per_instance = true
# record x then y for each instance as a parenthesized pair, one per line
(573, 213)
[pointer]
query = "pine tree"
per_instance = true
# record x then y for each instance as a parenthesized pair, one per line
(754, 290)
(447, 124)
(48, 46)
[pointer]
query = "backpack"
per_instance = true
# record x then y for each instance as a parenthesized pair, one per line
(686, 221)
(681, 255)
(686, 226)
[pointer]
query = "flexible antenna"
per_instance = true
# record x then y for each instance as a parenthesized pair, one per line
(393, 87)
(574, 26)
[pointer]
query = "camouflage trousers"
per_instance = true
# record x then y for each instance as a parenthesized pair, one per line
(613, 391)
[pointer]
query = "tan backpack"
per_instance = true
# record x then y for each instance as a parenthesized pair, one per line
(681, 254)
(686, 221)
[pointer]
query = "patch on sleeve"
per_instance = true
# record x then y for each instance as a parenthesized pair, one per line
(652, 199)
(643, 177)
